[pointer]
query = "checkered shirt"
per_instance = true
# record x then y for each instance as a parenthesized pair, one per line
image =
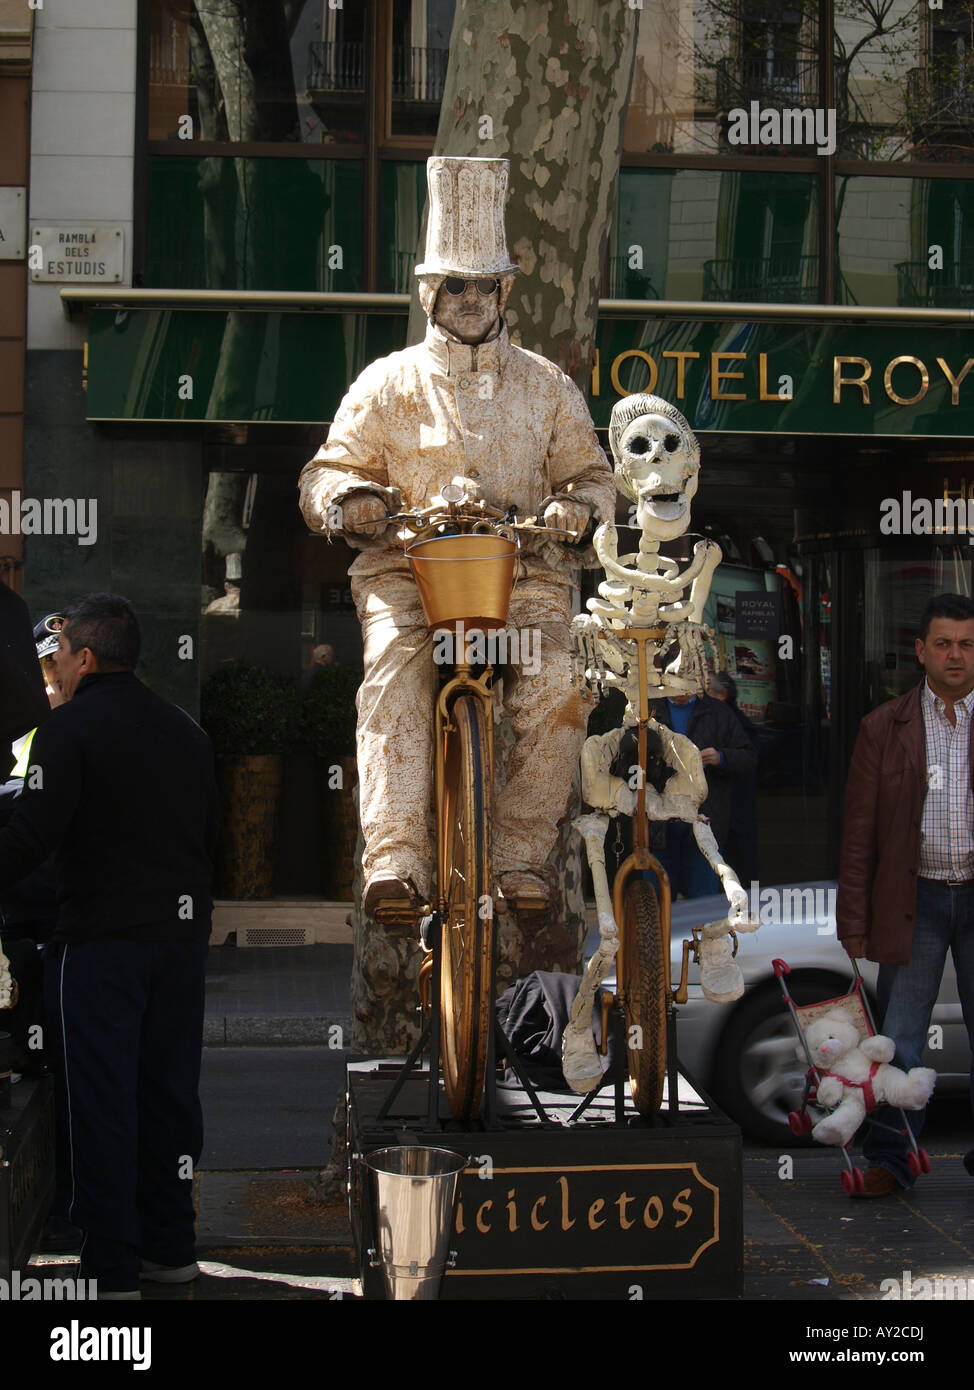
(947, 828)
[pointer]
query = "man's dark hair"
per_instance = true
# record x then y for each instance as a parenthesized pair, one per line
(107, 625)
(726, 683)
(957, 607)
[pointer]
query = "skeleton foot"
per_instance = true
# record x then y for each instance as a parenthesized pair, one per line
(580, 1061)
(720, 976)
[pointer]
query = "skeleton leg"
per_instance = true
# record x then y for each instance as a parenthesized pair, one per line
(580, 1059)
(720, 976)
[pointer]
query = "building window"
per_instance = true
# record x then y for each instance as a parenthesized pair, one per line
(275, 71)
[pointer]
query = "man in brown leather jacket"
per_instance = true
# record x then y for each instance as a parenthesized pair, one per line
(906, 882)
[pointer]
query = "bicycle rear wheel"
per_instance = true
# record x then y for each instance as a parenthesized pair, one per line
(468, 929)
(644, 977)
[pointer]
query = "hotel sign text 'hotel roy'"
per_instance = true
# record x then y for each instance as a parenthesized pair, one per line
(788, 378)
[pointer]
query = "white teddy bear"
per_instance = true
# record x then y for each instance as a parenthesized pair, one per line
(861, 1076)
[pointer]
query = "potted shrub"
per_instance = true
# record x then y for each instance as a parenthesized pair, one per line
(252, 716)
(328, 719)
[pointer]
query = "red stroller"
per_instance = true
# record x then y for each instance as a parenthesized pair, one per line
(856, 1005)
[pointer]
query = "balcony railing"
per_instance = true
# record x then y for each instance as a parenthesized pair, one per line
(168, 66)
(336, 67)
(942, 98)
(767, 280)
(418, 74)
(772, 82)
(950, 288)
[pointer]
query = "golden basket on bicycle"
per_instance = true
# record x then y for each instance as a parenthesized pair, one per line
(465, 579)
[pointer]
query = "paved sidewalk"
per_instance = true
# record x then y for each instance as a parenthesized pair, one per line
(276, 994)
(804, 1240)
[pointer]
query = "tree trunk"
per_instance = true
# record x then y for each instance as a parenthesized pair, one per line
(545, 84)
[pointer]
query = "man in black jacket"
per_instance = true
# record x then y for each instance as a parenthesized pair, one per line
(726, 753)
(121, 788)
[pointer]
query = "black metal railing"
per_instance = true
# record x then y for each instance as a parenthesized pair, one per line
(336, 67)
(765, 280)
(418, 74)
(942, 98)
(952, 287)
(772, 82)
(167, 67)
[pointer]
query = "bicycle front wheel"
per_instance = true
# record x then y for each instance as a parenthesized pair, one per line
(644, 976)
(468, 929)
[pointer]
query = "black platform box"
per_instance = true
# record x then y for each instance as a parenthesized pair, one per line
(590, 1211)
(26, 1170)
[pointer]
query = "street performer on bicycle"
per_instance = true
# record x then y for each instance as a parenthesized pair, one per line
(465, 405)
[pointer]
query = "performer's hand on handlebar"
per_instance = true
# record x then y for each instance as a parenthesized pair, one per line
(566, 515)
(360, 512)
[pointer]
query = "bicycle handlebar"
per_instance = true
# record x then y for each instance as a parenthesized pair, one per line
(460, 513)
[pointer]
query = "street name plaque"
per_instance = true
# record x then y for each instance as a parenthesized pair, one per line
(77, 254)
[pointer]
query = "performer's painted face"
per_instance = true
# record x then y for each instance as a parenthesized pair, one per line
(470, 316)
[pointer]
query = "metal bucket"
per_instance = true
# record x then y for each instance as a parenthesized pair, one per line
(414, 1192)
(464, 579)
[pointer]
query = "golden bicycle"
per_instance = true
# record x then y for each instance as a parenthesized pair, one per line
(464, 557)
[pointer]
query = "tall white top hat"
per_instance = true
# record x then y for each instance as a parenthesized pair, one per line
(465, 228)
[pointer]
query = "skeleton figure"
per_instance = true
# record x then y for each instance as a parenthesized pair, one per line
(657, 461)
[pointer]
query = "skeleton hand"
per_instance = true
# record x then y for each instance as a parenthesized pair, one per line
(566, 515)
(360, 508)
(737, 897)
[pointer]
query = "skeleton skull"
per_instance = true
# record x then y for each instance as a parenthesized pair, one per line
(657, 463)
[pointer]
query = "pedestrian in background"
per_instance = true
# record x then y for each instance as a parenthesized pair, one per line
(125, 798)
(741, 848)
(725, 751)
(906, 879)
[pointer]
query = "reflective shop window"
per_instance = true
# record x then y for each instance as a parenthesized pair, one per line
(906, 241)
(896, 592)
(904, 82)
(403, 197)
(715, 234)
(420, 51)
(257, 224)
(272, 594)
(697, 63)
(256, 71)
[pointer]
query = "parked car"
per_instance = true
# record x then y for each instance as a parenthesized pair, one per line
(746, 1055)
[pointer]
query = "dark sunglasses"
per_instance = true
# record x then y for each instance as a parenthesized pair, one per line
(455, 286)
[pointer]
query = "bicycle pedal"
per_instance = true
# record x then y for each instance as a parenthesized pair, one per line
(395, 914)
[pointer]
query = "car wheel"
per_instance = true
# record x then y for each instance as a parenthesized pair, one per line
(759, 1070)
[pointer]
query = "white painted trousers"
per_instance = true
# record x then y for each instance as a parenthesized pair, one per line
(395, 728)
